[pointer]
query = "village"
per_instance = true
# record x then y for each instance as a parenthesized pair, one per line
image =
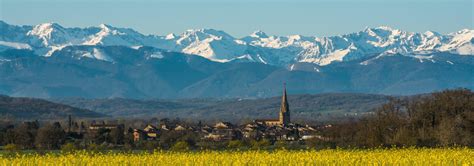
(281, 129)
(164, 133)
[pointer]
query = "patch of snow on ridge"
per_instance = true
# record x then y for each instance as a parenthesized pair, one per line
(136, 47)
(157, 55)
(53, 49)
(466, 49)
(261, 59)
(337, 55)
(246, 56)
(97, 54)
(15, 45)
(421, 58)
(316, 69)
(5, 60)
(220, 60)
(386, 53)
(240, 42)
(87, 55)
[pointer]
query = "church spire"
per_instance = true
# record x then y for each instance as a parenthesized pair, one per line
(284, 108)
(284, 101)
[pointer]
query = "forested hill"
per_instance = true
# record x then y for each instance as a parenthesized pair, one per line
(303, 107)
(30, 108)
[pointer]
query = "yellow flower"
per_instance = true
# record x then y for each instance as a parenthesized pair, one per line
(406, 156)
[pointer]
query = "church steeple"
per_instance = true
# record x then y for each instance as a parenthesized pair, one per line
(284, 108)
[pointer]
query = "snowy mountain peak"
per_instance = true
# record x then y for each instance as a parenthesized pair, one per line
(45, 29)
(110, 30)
(170, 36)
(465, 31)
(213, 44)
(204, 31)
(382, 31)
(49, 34)
(461, 42)
(384, 27)
(431, 34)
(48, 26)
(109, 35)
(201, 34)
(259, 34)
(105, 26)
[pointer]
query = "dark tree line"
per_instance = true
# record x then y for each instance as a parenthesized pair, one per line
(440, 119)
(29, 135)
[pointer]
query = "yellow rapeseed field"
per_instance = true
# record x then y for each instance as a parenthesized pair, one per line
(409, 156)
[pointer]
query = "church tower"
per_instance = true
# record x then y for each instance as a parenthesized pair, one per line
(284, 108)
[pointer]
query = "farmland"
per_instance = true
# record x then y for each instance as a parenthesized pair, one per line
(391, 156)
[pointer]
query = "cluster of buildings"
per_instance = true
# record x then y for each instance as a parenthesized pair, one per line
(271, 129)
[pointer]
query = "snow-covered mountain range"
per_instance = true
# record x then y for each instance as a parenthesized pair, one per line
(45, 39)
(51, 61)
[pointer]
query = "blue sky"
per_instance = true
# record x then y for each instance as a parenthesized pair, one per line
(242, 17)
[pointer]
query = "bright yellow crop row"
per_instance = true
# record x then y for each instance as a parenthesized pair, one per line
(410, 156)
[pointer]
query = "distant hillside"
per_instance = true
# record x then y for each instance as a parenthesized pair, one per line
(29, 108)
(303, 107)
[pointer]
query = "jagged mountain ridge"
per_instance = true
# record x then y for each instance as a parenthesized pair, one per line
(219, 46)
